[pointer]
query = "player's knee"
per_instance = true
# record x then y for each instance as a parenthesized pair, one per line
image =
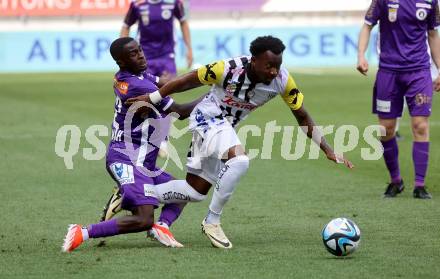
(240, 163)
(197, 197)
(420, 128)
(390, 131)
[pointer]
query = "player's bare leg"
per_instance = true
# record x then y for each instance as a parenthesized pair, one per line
(141, 220)
(391, 157)
(236, 165)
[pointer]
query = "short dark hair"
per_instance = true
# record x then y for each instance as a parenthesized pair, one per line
(117, 47)
(265, 43)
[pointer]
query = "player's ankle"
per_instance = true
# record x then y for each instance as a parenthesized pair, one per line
(212, 218)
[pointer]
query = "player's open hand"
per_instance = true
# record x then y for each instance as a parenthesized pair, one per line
(436, 84)
(339, 159)
(362, 66)
(143, 98)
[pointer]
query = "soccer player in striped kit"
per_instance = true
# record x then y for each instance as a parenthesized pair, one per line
(238, 86)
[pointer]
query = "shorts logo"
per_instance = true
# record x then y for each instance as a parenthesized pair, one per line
(149, 191)
(422, 99)
(383, 106)
(123, 173)
(421, 14)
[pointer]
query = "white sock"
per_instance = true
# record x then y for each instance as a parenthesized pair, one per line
(228, 179)
(177, 191)
(85, 234)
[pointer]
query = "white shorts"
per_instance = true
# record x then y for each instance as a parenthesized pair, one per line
(208, 148)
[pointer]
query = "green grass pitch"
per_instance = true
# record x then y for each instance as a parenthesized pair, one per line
(274, 218)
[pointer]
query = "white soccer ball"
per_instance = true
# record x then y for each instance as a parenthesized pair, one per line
(341, 236)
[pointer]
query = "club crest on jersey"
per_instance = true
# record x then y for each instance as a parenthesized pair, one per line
(231, 87)
(250, 94)
(392, 14)
(123, 173)
(121, 86)
(421, 14)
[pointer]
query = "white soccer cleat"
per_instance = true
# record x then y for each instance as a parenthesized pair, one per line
(216, 235)
(162, 233)
(73, 239)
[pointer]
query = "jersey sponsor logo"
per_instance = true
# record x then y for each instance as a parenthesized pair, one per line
(383, 106)
(123, 173)
(121, 86)
(421, 14)
(210, 72)
(423, 5)
(234, 103)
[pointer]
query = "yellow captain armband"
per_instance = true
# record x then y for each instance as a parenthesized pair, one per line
(291, 95)
(211, 73)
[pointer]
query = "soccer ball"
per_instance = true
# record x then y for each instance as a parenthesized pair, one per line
(341, 236)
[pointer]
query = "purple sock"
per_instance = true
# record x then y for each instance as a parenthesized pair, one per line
(391, 156)
(170, 212)
(420, 154)
(103, 229)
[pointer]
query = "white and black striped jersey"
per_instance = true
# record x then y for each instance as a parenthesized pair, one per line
(233, 96)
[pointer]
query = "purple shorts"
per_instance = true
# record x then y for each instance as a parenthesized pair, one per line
(391, 88)
(135, 183)
(158, 65)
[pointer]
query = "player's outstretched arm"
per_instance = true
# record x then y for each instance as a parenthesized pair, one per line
(179, 84)
(306, 122)
(184, 110)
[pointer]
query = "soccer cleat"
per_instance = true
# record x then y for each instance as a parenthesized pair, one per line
(161, 233)
(216, 235)
(113, 205)
(421, 193)
(393, 189)
(73, 238)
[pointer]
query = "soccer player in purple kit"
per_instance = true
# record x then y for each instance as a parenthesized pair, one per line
(156, 32)
(132, 153)
(155, 20)
(404, 72)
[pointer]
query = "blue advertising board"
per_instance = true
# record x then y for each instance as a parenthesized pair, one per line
(88, 51)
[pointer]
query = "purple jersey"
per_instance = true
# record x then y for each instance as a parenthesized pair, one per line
(403, 28)
(138, 143)
(155, 24)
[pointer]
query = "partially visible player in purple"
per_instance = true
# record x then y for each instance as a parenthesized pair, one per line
(132, 152)
(404, 72)
(155, 20)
